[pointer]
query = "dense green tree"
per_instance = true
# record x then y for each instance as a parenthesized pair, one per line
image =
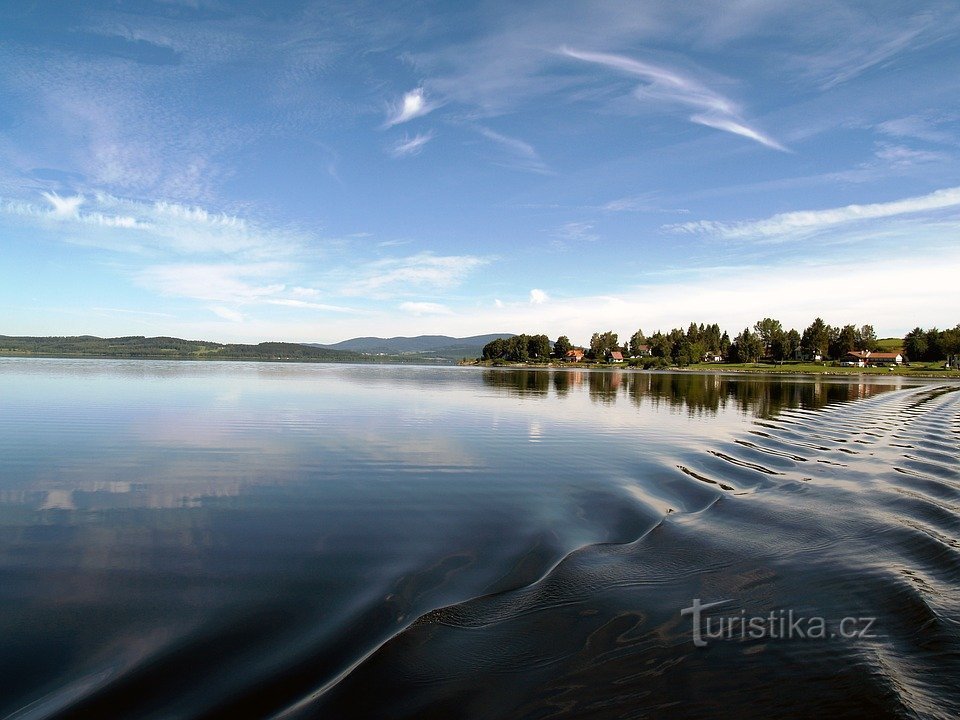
(636, 340)
(725, 344)
(538, 347)
(711, 337)
(562, 346)
(842, 341)
(816, 338)
(866, 338)
(780, 348)
(935, 349)
(602, 343)
(951, 341)
(495, 349)
(747, 347)
(793, 339)
(660, 345)
(915, 344)
(767, 329)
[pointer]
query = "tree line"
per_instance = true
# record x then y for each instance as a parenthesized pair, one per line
(767, 339)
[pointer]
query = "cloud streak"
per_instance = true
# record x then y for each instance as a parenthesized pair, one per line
(411, 146)
(524, 154)
(806, 222)
(669, 86)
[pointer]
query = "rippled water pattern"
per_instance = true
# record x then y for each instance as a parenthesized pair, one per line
(243, 540)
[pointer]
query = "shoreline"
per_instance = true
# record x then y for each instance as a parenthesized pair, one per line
(721, 369)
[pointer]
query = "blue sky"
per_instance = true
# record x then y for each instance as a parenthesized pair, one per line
(317, 171)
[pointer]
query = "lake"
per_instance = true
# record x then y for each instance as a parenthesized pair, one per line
(265, 540)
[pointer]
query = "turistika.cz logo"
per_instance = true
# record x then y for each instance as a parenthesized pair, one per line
(780, 624)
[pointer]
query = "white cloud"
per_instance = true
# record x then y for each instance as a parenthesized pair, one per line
(917, 127)
(159, 226)
(737, 128)
(411, 145)
(425, 308)
(413, 105)
(306, 305)
(64, 207)
(227, 313)
(538, 297)
(231, 283)
(670, 86)
(904, 156)
(524, 154)
(577, 232)
(805, 222)
(399, 275)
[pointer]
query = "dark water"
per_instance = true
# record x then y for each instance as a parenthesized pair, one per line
(194, 540)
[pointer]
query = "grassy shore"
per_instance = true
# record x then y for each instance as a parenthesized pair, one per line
(924, 370)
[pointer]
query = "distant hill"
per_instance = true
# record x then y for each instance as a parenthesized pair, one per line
(890, 344)
(425, 346)
(168, 347)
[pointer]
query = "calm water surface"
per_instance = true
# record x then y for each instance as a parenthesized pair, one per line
(206, 540)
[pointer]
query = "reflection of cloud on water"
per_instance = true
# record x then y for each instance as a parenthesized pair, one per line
(535, 431)
(92, 495)
(58, 500)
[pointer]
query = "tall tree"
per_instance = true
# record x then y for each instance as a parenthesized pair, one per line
(562, 346)
(915, 344)
(816, 338)
(866, 338)
(660, 345)
(747, 347)
(793, 338)
(934, 345)
(602, 343)
(843, 341)
(636, 341)
(767, 330)
(780, 346)
(538, 347)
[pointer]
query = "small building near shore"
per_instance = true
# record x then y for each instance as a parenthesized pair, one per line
(643, 351)
(614, 356)
(865, 357)
(574, 355)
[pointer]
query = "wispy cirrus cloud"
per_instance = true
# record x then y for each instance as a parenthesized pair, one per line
(523, 155)
(670, 86)
(649, 202)
(577, 231)
(124, 225)
(807, 222)
(232, 286)
(868, 42)
(391, 276)
(232, 283)
(918, 127)
(425, 308)
(409, 146)
(901, 155)
(414, 104)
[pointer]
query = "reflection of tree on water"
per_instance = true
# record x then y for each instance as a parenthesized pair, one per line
(519, 382)
(696, 393)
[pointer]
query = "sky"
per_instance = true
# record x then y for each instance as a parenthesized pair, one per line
(315, 171)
